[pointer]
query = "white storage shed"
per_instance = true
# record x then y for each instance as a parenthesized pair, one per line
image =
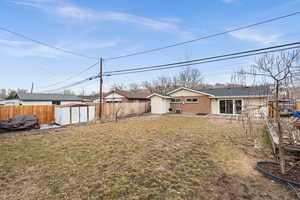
(160, 104)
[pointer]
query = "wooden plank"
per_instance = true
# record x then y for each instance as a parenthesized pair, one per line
(45, 114)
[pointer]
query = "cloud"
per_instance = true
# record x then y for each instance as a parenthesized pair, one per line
(66, 10)
(13, 43)
(22, 49)
(230, 1)
(253, 35)
(97, 45)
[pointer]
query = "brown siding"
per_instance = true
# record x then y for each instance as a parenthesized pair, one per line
(202, 106)
(126, 100)
(44, 114)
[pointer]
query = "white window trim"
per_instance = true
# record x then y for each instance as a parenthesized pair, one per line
(192, 98)
(234, 110)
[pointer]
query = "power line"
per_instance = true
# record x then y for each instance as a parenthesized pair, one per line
(46, 44)
(72, 76)
(73, 84)
(208, 58)
(189, 63)
(205, 37)
(197, 63)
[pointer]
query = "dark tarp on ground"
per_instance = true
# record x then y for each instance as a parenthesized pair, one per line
(19, 123)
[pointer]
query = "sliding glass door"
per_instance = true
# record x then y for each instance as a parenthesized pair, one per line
(230, 106)
(226, 106)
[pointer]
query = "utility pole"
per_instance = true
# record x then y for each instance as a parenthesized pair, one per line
(101, 86)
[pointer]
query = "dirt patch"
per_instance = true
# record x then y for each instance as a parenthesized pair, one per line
(292, 174)
(250, 188)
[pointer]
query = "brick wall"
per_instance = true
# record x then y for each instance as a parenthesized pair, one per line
(202, 106)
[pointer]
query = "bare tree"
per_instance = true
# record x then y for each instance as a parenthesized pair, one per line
(133, 87)
(118, 86)
(281, 70)
(191, 78)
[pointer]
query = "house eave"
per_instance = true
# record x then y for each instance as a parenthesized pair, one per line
(191, 90)
(162, 96)
(249, 96)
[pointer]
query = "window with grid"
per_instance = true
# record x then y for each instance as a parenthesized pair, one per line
(175, 100)
(192, 100)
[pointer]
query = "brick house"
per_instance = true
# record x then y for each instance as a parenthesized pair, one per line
(221, 101)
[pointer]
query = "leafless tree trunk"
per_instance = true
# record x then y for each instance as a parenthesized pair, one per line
(280, 133)
(278, 69)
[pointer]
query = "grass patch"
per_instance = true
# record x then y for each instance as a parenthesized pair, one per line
(168, 157)
(264, 138)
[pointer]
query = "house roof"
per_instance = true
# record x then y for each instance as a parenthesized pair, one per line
(160, 95)
(237, 91)
(132, 95)
(230, 92)
(188, 89)
(48, 97)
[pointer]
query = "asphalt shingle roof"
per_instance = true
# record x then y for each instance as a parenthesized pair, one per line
(48, 97)
(238, 91)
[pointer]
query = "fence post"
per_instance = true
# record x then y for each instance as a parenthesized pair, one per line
(70, 114)
(88, 113)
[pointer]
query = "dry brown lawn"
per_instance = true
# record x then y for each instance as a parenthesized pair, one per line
(155, 157)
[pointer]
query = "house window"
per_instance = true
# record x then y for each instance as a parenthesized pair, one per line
(238, 106)
(56, 102)
(226, 106)
(191, 100)
(113, 101)
(230, 106)
(175, 100)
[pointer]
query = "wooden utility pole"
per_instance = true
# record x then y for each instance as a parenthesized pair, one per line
(101, 86)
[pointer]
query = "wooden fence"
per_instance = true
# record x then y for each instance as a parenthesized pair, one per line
(111, 110)
(45, 114)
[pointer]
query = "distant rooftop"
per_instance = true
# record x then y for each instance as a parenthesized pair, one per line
(48, 97)
(132, 95)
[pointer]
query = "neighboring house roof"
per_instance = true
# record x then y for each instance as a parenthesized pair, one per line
(91, 97)
(160, 95)
(131, 95)
(238, 92)
(87, 98)
(48, 97)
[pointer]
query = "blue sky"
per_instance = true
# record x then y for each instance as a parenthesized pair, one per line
(111, 28)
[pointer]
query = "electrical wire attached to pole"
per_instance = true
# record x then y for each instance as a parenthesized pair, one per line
(242, 54)
(169, 65)
(205, 37)
(46, 44)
